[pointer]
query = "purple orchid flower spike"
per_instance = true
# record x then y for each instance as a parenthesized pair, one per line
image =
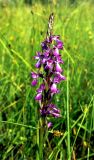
(49, 70)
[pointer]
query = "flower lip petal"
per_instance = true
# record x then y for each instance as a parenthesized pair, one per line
(58, 68)
(55, 37)
(47, 52)
(34, 82)
(56, 52)
(54, 108)
(49, 64)
(54, 114)
(38, 64)
(38, 96)
(50, 109)
(49, 124)
(49, 40)
(34, 75)
(58, 78)
(59, 44)
(54, 88)
(59, 60)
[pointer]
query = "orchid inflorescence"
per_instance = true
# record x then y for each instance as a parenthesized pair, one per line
(48, 61)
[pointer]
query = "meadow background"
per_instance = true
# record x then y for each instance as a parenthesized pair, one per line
(23, 26)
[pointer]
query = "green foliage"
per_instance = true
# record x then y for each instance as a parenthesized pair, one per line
(22, 29)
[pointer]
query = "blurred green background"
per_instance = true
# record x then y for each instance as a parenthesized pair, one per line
(23, 26)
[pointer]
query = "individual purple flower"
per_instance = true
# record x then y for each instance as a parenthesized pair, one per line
(59, 44)
(34, 82)
(53, 88)
(49, 64)
(38, 96)
(55, 37)
(58, 68)
(51, 110)
(49, 124)
(46, 53)
(58, 78)
(54, 111)
(56, 115)
(59, 60)
(34, 75)
(56, 52)
(38, 64)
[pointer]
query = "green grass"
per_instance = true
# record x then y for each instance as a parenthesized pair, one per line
(22, 29)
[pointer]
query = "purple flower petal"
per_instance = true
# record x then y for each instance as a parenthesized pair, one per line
(49, 40)
(54, 108)
(54, 88)
(56, 114)
(50, 110)
(56, 52)
(55, 37)
(34, 82)
(34, 75)
(62, 77)
(44, 60)
(59, 59)
(38, 96)
(49, 64)
(38, 64)
(58, 78)
(59, 44)
(49, 124)
(58, 68)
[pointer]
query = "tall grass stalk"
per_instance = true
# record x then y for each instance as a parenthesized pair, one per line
(68, 119)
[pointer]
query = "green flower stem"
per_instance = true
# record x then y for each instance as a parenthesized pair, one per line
(42, 136)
